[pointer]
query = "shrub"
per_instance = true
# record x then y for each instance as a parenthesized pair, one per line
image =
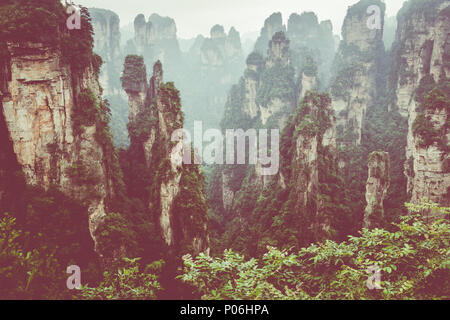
(414, 259)
(129, 282)
(134, 73)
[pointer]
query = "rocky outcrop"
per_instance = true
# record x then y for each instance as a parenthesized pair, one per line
(141, 28)
(278, 69)
(278, 52)
(266, 96)
(376, 189)
(255, 64)
(107, 44)
(227, 192)
(214, 63)
(144, 101)
(307, 155)
(254, 102)
(162, 28)
(106, 26)
(420, 49)
(195, 49)
(311, 44)
(422, 62)
(134, 82)
(272, 25)
(263, 77)
(304, 187)
(221, 50)
(155, 115)
(311, 41)
(308, 83)
(354, 85)
(39, 100)
(156, 39)
(221, 62)
(427, 167)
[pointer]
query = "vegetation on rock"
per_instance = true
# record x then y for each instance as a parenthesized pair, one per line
(413, 258)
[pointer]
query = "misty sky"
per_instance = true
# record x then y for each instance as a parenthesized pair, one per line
(195, 17)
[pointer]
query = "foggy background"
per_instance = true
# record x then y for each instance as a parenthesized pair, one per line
(195, 17)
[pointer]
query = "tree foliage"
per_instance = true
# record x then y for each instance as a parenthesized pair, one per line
(413, 258)
(128, 282)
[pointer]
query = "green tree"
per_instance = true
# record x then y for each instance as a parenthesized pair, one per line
(128, 282)
(16, 265)
(413, 258)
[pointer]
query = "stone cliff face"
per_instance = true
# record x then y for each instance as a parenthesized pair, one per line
(157, 103)
(219, 64)
(312, 44)
(306, 48)
(107, 44)
(106, 26)
(278, 63)
(221, 49)
(420, 49)
(163, 28)
(427, 167)
(278, 52)
(167, 123)
(311, 41)
(195, 49)
(272, 25)
(302, 189)
(156, 39)
(141, 28)
(308, 83)
(376, 189)
(38, 101)
(307, 153)
(421, 52)
(272, 86)
(252, 80)
(354, 85)
(256, 101)
(213, 65)
(261, 76)
(134, 82)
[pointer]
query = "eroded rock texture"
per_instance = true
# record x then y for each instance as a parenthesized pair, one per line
(155, 115)
(354, 85)
(38, 100)
(422, 62)
(376, 189)
(106, 26)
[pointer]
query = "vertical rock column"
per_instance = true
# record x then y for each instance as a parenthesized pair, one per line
(311, 146)
(278, 62)
(134, 82)
(353, 88)
(106, 26)
(272, 25)
(155, 114)
(39, 99)
(376, 188)
(422, 49)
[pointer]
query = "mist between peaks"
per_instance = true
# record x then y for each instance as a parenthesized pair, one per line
(241, 147)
